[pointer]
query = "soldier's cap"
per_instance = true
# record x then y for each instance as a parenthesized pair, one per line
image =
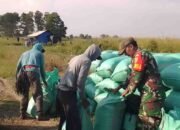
(125, 43)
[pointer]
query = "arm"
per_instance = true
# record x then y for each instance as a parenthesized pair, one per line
(133, 83)
(82, 78)
(138, 68)
(19, 65)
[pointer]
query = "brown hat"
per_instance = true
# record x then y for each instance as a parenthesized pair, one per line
(125, 43)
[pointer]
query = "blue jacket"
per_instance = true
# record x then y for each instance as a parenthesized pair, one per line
(33, 57)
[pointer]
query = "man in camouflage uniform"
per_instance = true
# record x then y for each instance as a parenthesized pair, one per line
(146, 78)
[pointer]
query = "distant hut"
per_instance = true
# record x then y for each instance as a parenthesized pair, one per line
(40, 36)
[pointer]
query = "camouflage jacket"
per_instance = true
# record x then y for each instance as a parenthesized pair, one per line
(143, 67)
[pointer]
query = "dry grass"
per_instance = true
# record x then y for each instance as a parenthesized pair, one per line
(9, 112)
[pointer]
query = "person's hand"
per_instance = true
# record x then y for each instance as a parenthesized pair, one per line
(85, 103)
(125, 92)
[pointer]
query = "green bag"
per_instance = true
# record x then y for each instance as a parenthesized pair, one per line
(109, 113)
(107, 83)
(94, 65)
(166, 59)
(90, 90)
(49, 95)
(172, 100)
(170, 121)
(107, 67)
(130, 121)
(122, 71)
(95, 78)
(171, 77)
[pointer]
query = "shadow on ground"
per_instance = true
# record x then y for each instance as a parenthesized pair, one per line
(9, 109)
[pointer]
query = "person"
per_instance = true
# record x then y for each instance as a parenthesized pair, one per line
(30, 69)
(72, 84)
(146, 78)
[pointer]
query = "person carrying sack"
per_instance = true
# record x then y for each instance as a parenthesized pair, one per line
(30, 70)
(146, 78)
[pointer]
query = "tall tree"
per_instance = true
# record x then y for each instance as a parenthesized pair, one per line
(8, 23)
(54, 24)
(27, 23)
(39, 21)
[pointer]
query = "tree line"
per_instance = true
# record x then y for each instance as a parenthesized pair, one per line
(14, 24)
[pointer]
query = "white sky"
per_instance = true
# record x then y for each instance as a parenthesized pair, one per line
(141, 18)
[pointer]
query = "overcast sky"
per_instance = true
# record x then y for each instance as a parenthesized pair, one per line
(141, 18)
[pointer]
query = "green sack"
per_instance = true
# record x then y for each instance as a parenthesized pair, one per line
(100, 96)
(109, 113)
(107, 56)
(92, 107)
(115, 52)
(171, 77)
(169, 121)
(107, 83)
(122, 71)
(90, 90)
(94, 65)
(166, 59)
(85, 120)
(102, 86)
(49, 95)
(106, 51)
(95, 78)
(172, 100)
(130, 121)
(107, 67)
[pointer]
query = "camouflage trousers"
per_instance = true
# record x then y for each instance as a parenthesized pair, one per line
(152, 100)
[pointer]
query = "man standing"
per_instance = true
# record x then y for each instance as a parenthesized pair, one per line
(30, 69)
(72, 82)
(146, 78)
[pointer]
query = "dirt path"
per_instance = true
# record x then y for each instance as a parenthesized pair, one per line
(9, 112)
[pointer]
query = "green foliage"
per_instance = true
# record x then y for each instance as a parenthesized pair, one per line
(54, 24)
(27, 23)
(8, 23)
(39, 21)
(13, 25)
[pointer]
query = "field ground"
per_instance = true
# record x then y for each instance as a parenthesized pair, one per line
(9, 112)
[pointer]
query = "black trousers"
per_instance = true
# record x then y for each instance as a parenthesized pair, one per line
(68, 111)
